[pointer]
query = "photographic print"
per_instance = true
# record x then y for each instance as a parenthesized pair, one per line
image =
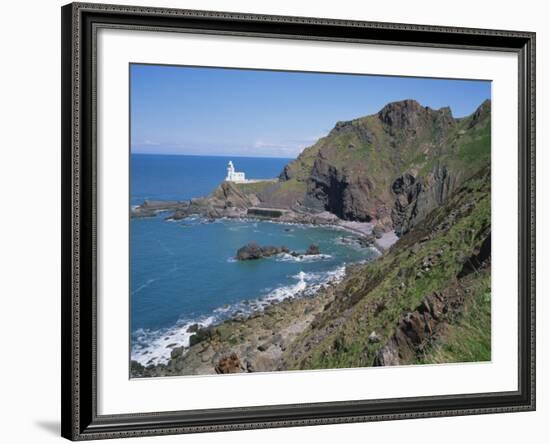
(286, 221)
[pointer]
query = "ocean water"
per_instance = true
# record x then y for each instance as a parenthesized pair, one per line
(184, 272)
(156, 177)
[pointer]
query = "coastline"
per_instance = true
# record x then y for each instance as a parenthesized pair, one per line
(407, 171)
(153, 348)
(419, 302)
(382, 240)
(258, 338)
(294, 313)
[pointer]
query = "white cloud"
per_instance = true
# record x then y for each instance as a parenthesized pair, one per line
(289, 147)
(262, 144)
(260, 148)
(149, 143)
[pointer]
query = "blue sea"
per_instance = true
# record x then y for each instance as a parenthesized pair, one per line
(184, 272)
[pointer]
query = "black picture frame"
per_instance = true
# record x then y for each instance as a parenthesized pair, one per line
(80, 420)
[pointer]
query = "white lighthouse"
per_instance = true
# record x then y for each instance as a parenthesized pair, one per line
(232, 175)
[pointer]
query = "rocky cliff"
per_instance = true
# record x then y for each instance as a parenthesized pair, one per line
(392, 167)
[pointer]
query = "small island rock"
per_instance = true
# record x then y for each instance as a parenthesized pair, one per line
(253, 251)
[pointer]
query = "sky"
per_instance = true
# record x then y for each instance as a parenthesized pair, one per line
(217, 111)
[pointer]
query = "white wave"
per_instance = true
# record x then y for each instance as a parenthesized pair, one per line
(154, 347)
(288, 291)
(238, 227)
(286, 257)
(308, 284)
(223, 309)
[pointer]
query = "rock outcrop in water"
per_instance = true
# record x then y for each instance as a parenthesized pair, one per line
(312, 250)
(253, 251)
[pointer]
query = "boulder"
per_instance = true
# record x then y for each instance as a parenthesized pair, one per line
(176, 352)
(249, 251)
(201, 334)
(367, 240)
(229, 364)
(387, 355)
(136, 369)
(378, 231)
(261, 363)
(374, 338)
(193, 328)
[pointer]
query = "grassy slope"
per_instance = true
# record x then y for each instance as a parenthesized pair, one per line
(254, 187)
(469, 340)
(373, 296)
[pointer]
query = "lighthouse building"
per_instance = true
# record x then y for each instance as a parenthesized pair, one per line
(232, 175)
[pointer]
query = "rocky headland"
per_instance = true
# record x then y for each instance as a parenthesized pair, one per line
(413, 181)
(384, 172)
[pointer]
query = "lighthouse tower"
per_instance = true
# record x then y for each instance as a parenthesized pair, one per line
(232, 175)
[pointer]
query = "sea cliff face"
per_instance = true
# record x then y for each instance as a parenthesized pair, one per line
(392, 167)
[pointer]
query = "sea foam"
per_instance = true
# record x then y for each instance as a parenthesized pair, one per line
(155, 346)
(286, 257)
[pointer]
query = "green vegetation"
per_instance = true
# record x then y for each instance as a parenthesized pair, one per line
(374, 297)
(254, 187)
(469, 340)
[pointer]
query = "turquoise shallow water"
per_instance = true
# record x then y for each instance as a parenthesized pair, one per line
(184, 272)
